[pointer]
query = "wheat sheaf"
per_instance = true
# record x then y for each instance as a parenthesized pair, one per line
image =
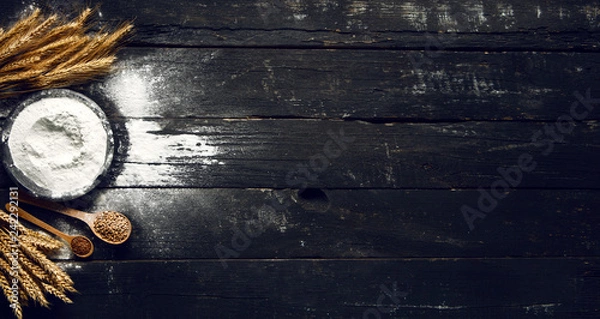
(45, 51)
(26, 273)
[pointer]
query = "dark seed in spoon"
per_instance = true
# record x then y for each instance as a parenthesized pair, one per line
(81, 245)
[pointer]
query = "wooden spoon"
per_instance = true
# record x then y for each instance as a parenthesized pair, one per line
(111, 227)
(81, 246)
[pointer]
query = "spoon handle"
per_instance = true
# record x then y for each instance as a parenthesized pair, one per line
(55, 207)
(30, 218)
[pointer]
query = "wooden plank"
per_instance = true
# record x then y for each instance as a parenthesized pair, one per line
(512, 24)
(349, 154)
(413, 288)
(382, 86)
(425, 129)
(262, 223)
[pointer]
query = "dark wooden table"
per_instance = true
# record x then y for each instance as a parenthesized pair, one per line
(345, 159)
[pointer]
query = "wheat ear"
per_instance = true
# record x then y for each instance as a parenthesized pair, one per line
(36, 274)
(16, 307)
(42, 52)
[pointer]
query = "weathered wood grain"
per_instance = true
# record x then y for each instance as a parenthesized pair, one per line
(373, 85)
(349, 154)
(263, 223)
(421, 288)
(344, 84)
(511, 24)
(224, 110)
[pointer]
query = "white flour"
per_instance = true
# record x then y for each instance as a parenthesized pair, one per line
(59, 144)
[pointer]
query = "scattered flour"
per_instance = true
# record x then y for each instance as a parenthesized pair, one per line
(59, 144)
(131, 91)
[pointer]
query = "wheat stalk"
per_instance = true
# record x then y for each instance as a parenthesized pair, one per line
(41, 52)
(40, 242)
(57, 275)
(25, 279)
(17, 310)
(60, 294)
(37, 239)
(37, 275)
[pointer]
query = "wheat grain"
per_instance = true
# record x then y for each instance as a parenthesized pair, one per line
(34, 269)
(5, 286)
(78, 73)
(25, 62)
(83, 17)
(16, 306)
(5, 248)
(42, 243)
(58, 275)
(23, 301)
(5, 217)
(32, 288)
(89, 51)
(40, 58)
(61, 32)
(11, 39)
(56, 292)
(19, 27)
(55, 274)
(112, 40)
(55, 62)
(55, 46)
(28, 39)
(28, 294)
(43, 27)
(11, 78)
(55, 243)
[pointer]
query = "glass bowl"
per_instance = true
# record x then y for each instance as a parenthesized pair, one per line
(57, 144)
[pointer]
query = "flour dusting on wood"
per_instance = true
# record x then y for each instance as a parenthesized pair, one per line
(134, 89)
(415, 14)
(150, 144)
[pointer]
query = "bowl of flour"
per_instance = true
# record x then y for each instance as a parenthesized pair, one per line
(57, 144)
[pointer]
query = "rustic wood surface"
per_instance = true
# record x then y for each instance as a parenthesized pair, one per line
(344, 159)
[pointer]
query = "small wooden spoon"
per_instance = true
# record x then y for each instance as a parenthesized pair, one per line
(81, 246)
(115, 223)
